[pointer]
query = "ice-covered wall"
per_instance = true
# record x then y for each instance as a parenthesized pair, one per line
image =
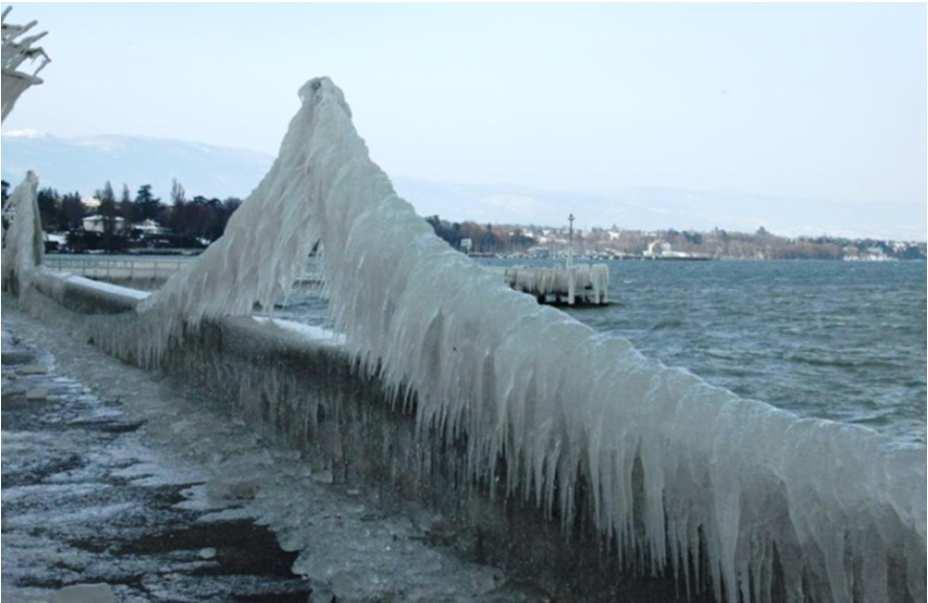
(16, 50)
(828, 507)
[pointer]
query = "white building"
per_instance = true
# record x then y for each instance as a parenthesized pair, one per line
(96, 223)
(149, 227)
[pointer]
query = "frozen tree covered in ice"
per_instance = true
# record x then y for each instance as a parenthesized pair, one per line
(18, 49)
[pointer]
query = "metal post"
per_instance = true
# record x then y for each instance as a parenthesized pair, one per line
(570, 261)
(570, 243)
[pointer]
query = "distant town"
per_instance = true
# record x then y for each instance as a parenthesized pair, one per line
(142, 223)
(630, 244)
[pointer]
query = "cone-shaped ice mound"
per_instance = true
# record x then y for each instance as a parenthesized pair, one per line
(672, 468)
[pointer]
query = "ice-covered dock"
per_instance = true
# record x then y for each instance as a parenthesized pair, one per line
(583, 284)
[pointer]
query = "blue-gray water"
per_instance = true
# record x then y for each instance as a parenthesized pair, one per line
(835, 340)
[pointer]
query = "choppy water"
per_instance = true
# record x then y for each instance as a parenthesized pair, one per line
(836, 340)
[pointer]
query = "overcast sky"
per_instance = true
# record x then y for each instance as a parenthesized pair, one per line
(820, 102)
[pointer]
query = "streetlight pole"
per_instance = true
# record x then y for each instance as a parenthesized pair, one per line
(570, 242)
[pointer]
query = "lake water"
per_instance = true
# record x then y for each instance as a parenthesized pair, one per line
(836, 340)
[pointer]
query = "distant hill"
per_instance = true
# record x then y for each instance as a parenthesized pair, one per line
(85, 164)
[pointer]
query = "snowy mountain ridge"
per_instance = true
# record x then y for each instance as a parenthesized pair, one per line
(86, 163)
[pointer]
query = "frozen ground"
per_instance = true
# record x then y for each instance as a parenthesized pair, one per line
(113, 475)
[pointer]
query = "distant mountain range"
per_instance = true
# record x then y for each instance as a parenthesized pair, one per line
(85, 164)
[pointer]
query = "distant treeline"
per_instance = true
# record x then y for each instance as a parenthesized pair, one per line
(485, 239)
(717, 243)
(196, 222)
(187, 223)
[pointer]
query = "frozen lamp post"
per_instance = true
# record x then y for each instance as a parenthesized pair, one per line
(16, 50)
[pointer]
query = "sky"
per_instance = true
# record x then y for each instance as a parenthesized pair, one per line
(819, 102)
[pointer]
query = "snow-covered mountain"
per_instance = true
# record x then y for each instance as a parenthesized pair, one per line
(85, 164)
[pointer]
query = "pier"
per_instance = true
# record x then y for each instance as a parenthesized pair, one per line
(583, 284)
(570, 284)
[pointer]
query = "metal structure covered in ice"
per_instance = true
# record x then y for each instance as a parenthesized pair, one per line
(17, 50)
(677, 476)
(583, 283)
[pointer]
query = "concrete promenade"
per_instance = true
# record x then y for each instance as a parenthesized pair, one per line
(145, 487)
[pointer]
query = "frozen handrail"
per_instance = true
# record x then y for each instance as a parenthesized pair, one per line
(825, 509)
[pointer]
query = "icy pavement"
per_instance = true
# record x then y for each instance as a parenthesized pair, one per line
(114, 475)
(85, 501)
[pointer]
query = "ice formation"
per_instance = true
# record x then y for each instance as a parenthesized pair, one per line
(562, 404)
(15, 51)
(677, 474)
(589, 283)
(23, 243)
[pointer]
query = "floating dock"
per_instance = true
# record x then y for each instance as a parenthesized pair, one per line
(582, 284)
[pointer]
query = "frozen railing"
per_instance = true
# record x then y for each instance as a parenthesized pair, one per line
(117, 268)
(139, 268)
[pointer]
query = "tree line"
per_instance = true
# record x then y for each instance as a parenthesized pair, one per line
(189, 222)
(484, 239)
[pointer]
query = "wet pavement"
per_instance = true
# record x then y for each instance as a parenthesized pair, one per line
(81, 504)
(121, 477)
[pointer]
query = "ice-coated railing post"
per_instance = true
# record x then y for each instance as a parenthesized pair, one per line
(23, 242)
(15, 51)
